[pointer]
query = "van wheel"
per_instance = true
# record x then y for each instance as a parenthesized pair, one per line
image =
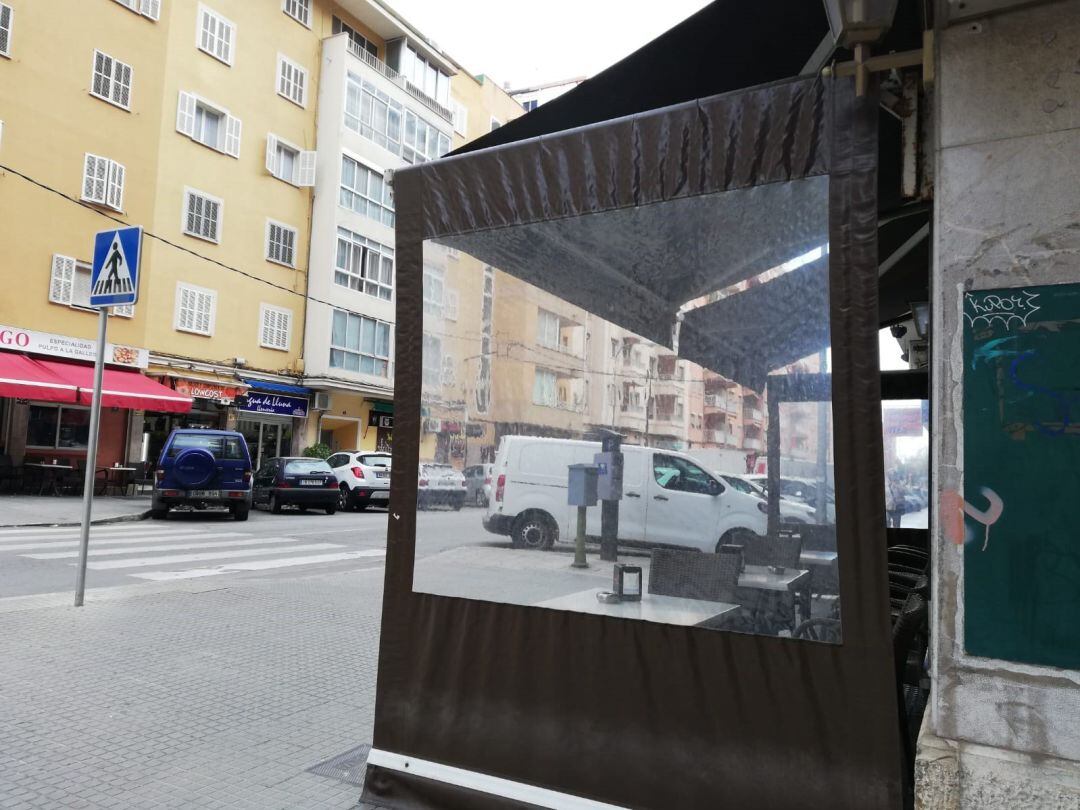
(536, 530)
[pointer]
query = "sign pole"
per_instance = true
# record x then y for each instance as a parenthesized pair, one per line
(91, 456)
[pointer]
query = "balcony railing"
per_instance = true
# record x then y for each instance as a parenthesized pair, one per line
(751, 444)
(753, 414)
(376, 64)
(716, 436)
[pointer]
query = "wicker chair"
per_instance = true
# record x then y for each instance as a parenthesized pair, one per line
(782, 549)
(693, 575)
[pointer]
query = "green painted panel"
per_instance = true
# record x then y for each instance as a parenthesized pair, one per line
(1022, 474)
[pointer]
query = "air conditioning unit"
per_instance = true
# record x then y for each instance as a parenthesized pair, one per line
(322, 400)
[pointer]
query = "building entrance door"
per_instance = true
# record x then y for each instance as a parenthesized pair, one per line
(266, 439)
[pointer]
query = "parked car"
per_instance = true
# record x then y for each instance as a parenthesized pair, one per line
(478, 484)
(440, 484)
(802, 490)
(363, 478)
(301, 482)
(203, 469)
(790, 511)
(668, 498)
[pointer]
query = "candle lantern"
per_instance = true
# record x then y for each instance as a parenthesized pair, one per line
(627, 582)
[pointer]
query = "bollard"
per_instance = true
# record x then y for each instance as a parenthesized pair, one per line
(579, 544)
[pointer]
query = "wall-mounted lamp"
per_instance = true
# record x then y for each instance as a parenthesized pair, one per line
(920, 313)
(855, 22)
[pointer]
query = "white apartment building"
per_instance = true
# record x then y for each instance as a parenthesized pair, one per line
(373, 117)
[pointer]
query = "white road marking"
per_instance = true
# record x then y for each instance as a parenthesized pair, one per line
(47, 530)
(47, 545)
(112, 552)
(143, 562)
(259, 565)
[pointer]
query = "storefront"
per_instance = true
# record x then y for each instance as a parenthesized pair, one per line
(212, 399)
(268, 415)
(353, 422)
(46, 388)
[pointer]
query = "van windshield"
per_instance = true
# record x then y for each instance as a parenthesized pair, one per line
(225, 447)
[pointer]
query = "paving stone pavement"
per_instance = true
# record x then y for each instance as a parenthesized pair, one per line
(179, 699)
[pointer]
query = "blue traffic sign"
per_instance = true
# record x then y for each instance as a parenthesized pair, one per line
(114, 279)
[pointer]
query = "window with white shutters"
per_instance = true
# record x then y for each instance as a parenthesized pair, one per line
(450, 304)
(292, 81)
(216, 35)
(202, 215)
(103, 182)
(6, 16)
(274, 327)
(62, 279)
(111, 80)
(69, 284)
(148, 8)
(299, 10)
(460, 114)
(195, 309)
(208, 124)
(280, 243)
(289, 163)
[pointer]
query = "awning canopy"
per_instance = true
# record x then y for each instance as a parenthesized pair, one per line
(378, 406)
(277, 388)
(22, 377)
(119, 389)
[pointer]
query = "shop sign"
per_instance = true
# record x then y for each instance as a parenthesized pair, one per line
(902, 421)
(198, 389)
(14, 338)
(381, 420)
(256, 402)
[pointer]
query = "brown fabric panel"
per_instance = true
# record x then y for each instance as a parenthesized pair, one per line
(635, 713)
(758, 136)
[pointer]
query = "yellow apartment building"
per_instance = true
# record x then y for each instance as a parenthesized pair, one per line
(460, 400)
(252, 142)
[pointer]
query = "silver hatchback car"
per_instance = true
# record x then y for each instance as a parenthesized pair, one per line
(478, 484)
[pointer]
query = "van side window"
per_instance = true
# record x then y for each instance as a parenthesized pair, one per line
(672, 472)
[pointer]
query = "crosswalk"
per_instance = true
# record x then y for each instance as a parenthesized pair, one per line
(159, 552)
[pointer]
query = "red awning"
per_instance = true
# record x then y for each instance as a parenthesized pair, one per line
(120, 388)
(22, 377)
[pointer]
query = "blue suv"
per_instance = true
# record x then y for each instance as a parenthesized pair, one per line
(201, 469)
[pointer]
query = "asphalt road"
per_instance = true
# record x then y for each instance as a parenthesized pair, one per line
(213, 548)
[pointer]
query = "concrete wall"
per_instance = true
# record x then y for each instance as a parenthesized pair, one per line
(1007, 213)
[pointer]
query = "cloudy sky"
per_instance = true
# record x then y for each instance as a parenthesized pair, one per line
(526, 42)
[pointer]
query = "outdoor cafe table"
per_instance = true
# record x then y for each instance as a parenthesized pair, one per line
(118, 478)
(651, 608)
(50, 475)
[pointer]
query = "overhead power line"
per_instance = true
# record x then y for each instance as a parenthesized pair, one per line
(182, 249)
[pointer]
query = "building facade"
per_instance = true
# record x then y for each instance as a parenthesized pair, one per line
(254, 143)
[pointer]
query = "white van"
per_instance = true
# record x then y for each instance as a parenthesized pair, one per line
(668, 497)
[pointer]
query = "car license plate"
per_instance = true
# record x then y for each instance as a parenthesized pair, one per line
(380, 495)
(380, 474)
(310, 482)
(204, 493)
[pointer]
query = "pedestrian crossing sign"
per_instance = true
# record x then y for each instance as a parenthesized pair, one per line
(114, 279)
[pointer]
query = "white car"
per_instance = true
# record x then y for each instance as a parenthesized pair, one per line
(440, 484)
(800, 490)
(668, 498)
(790, 511)
(363, 478)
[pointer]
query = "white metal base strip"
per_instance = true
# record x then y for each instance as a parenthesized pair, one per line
(484, 783)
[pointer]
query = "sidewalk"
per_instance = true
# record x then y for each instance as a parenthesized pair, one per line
(35, 510)
(205, 696)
